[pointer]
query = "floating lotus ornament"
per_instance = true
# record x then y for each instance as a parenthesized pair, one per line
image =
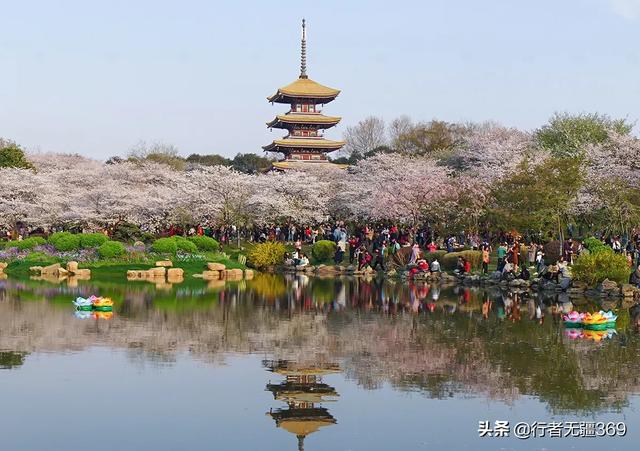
(599, 335)
(103, 304)
(82, 314)
(102, 315)
(573, 333)
(93, 303)
(83, 304)
(600, 320)
(573, 319)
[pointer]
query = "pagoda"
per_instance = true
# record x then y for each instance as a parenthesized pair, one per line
(304, 122)
(302, 391)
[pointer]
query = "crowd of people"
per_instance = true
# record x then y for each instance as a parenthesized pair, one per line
(374, 245)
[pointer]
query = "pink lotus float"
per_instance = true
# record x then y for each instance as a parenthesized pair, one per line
(595, 321)
(573, 319)
(573, 333)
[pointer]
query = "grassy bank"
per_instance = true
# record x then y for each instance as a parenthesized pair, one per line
(118, 267)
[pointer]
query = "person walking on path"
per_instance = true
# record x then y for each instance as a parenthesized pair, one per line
(340, 250)
(415, 253)
(485, 260)
(515, 254)
(502, 253)
(531, 254)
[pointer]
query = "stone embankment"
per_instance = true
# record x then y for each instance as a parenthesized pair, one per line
(218, 271)
(57, 273)
(606, 289)
(163, 275)
(352, 270)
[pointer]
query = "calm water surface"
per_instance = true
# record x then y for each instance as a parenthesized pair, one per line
(299, 363)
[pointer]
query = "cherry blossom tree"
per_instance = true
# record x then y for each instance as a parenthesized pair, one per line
(451, 190)
(400, 188)
(491, 150)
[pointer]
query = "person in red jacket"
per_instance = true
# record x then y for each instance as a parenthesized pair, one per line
(354, 243)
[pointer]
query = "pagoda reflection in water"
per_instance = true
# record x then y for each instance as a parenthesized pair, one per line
(302, 390)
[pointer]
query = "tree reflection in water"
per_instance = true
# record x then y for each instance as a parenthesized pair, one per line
(436, 340)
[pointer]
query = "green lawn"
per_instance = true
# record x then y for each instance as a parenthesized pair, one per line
(113, 268)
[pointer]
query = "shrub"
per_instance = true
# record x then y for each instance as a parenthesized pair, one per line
(431, 256)
(88, 240)
(65, 241)
(594, 245)
(205, 243)
(401, 258)
(185, 245)
(594, 267)
(450, 261)
(147, 237)
(110, 249)
(266, 254)
(323, 250)
(126, 232)
(165, 246)
(27, 243)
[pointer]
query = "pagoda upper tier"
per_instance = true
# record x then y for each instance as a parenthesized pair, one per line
(304, 89)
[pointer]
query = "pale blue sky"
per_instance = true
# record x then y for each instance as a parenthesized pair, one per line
(95, 77)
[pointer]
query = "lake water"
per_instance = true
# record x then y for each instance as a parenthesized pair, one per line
(299, 363)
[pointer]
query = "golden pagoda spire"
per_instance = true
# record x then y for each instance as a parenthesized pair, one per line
(303, 52)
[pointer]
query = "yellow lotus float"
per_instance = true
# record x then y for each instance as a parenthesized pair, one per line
(599, 321)
(103, 304)
(598, 335)
(102, 315)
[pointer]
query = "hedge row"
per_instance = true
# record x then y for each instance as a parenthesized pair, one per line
(66, 242)
(449, 261)
(27, 243)
(190, 245)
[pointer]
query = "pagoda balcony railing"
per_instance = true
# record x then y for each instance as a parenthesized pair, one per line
(305, 113)
(290, 136)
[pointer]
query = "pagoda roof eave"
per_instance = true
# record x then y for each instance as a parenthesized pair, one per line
(297, 144)
(304, 88)
(303, 165)
(280, 97)
(320, 120)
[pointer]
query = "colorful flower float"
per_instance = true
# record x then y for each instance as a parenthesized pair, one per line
(103, 304)
(101, 315)
(93, 303)
(599, 321)
(82, 314)
(83, 304)
(573, 319)
(598, 335)
(573, 333)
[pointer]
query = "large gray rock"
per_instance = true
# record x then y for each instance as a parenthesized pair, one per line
(579, 286)
(608, 285)
(628, 290)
